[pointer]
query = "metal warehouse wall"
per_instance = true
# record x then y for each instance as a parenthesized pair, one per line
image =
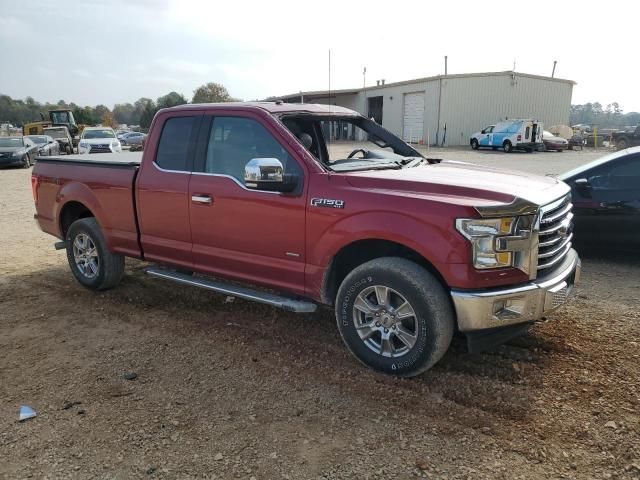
(393, 105)
(471, 103)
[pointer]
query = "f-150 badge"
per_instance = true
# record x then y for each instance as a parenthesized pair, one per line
(327, 203)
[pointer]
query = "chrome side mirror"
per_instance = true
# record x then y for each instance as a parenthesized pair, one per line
(268, 174)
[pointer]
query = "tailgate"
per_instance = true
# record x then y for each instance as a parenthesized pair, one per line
(102, 188)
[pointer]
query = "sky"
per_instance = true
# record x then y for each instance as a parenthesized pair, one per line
(105, 52)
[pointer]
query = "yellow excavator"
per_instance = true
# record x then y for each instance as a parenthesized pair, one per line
(57, 118)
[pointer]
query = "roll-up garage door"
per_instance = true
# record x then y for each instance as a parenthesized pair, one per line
(413, 119)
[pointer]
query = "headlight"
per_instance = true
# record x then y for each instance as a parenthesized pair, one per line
(83, 145)
(115, 144)
(482, 234)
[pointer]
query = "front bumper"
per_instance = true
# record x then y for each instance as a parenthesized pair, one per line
(481, 310)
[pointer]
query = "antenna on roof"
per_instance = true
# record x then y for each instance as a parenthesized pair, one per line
(553, 72)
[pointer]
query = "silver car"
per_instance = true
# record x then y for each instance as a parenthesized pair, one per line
(47, 146)
(132, 138)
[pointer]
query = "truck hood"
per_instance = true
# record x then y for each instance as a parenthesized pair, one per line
(463, 183)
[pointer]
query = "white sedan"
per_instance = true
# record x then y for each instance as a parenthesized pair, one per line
(99, 140)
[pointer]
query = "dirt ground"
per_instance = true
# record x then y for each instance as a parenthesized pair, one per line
(238, 390)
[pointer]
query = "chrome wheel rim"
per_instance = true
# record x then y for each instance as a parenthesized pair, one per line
(385, 321)
(85, 255)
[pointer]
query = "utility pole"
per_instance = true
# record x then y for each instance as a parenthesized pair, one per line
(553, 72)
(445, 64)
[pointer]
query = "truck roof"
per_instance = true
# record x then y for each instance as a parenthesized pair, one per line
(271, 107)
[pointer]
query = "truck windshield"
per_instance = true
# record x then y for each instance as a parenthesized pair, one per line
(56, 132)
(347, 143)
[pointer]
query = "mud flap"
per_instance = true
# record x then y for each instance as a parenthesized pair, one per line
(492, 337)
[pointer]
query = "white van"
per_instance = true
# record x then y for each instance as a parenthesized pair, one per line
(510, 134)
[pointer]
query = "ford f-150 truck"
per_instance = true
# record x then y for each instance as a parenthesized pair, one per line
(296, 205)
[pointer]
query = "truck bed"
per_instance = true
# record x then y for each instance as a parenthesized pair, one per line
(103, 183)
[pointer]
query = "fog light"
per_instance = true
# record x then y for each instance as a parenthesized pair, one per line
(509, 309)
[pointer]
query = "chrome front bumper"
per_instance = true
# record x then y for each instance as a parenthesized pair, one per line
(503, 307)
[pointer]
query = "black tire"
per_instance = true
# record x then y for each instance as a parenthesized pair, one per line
(622, 144)
(26, 161)
(507, 147)
(474, 144)
(432, 322)
(68, 150)
(110, 266)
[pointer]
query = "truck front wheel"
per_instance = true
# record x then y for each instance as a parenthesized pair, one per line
(621, 144)
(93, 265)
(394, 316)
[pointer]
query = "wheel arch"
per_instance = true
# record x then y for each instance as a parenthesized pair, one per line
(70, 212)
(361, 251)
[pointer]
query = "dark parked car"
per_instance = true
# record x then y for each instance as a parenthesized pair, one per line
(132, 138)
(17, 151)
(606, 200)
(626, 138)
(47, 146)
(553, 142)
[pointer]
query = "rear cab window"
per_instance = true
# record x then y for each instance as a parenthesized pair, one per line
(176, 144)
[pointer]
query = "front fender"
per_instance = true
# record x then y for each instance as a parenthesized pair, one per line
(436, 241)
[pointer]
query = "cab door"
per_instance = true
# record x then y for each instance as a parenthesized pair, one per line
(245, 234)
(486, 138)
(162, 189)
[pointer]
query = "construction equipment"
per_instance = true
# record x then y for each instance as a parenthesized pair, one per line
(62, 117)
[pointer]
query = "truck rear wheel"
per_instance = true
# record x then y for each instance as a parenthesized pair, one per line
(621, 144)
(394, 316)
(507, 147)
(93, 265)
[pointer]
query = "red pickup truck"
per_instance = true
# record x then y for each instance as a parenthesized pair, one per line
(296, 205)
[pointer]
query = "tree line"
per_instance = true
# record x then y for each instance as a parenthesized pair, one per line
(610, 116)
(141, 112)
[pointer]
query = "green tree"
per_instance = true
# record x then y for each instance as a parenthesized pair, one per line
(211, 93)
(171, 99)
(124, 113)
(148, 112)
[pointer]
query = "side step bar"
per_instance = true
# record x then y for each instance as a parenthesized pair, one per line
(289, 304)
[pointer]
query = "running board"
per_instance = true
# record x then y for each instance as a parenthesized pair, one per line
(285, 303)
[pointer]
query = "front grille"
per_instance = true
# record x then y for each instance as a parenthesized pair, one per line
(556, 232)
(100, 149)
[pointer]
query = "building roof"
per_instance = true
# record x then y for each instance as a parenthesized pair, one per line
(327, 93)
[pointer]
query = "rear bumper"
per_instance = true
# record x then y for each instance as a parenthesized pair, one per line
(490, 309)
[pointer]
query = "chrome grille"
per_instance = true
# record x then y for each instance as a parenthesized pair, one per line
(556, 232)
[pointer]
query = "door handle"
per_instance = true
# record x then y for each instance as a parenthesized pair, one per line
(204, 199)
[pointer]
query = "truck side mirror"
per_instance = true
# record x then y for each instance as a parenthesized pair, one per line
(268, 174)
(483, 131)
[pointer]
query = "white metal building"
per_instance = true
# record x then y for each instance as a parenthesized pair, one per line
(448, 109)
